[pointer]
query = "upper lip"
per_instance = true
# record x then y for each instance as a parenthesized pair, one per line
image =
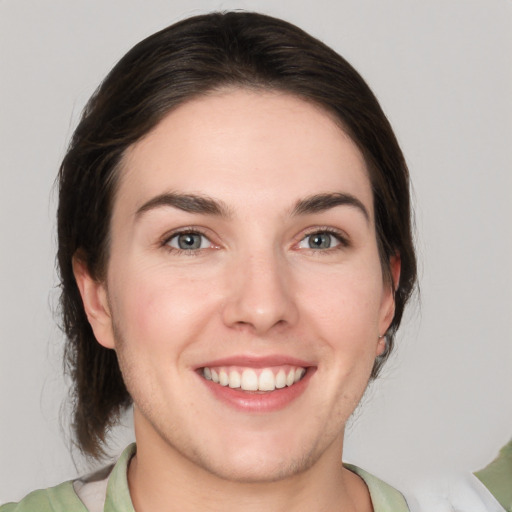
(251, 361)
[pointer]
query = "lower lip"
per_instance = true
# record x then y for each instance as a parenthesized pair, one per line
(253, 401)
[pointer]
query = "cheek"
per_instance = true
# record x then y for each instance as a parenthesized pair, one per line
(159, 309)
(343, 298)
(344, 313)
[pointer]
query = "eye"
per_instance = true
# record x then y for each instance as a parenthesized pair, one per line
(320, 240)
(189, 241)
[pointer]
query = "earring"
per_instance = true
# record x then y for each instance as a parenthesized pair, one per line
(386, 346)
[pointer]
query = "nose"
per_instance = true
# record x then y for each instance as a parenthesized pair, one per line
(260, 294)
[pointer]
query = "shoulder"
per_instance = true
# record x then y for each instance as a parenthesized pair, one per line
(61, 498)
(106, 489)
(497, 477)
(384, 497)
(451, 491)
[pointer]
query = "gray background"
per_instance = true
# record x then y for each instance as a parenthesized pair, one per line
(442, 70)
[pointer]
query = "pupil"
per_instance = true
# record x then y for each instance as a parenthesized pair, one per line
(320, 241)
(189, 241)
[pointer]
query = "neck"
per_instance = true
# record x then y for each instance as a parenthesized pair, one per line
(161, 478)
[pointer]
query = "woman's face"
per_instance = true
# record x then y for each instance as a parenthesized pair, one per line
(243, 250)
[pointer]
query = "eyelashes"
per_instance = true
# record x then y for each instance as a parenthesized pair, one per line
(324, 239)
(188, 241)
(193, 241)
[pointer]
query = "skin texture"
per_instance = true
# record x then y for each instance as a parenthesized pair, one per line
(255, 288)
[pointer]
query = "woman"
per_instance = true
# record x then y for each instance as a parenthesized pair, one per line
(235, 253)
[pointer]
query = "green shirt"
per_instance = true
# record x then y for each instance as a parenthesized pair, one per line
(63, 497)
(497, 477)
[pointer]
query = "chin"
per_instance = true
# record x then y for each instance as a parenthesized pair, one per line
(260, 456)
(252, 468)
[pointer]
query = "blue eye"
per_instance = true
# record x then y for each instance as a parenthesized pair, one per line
(320, 240)
(189, 241)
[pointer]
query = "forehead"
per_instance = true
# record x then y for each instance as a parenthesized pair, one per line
(242, 146)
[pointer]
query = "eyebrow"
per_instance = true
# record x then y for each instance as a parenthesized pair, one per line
(322, 202)
(191, 203)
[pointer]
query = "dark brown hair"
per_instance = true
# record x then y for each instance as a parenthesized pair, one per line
(188, 59)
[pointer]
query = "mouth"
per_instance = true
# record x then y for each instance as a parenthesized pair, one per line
(257, 385)
(249, 379)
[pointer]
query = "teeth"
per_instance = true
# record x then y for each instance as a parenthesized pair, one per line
(248, 379)
(223, 378)
(299, 373)
(267, 381)
(234, 379)
(280, 379)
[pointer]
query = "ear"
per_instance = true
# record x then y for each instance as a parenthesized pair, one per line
(95, 301)
(387, 307)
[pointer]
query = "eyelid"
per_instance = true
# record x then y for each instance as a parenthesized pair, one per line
(195, 230)
(340, 235)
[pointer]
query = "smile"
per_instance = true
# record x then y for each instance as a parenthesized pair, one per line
(254, 379)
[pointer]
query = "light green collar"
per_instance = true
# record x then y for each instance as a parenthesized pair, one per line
(497, 477)
(63, 497)
(118, 494)
(384, 497)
